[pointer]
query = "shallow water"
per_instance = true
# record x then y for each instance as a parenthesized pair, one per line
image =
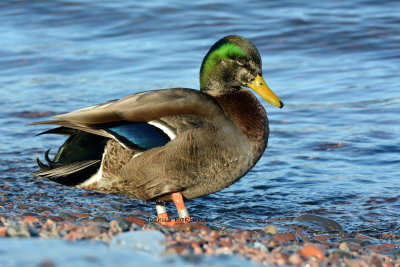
(334, 150)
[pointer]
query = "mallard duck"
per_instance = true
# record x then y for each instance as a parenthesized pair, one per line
(172, 144)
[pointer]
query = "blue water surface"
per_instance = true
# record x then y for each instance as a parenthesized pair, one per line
(334, 149)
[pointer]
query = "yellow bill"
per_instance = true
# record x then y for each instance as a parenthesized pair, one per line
(261, 88)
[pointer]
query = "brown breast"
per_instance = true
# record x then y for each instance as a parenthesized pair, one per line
(243, 108)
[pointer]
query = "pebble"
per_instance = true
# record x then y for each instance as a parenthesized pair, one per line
(3, 231)
(271, 229)
(340, 253)
(320, 223)
(344, 246)
(286, 237)
(180, 249)
(135, 220)
(295, 259)
(312, 251)
(260, 246)
(66, 216)
(17, 232)
(358, 241)
(30, 219)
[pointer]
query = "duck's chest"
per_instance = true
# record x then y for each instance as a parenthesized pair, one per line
(249, 116)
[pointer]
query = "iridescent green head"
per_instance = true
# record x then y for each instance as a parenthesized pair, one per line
(234, 62)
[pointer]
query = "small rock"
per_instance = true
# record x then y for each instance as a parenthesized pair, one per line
(286, 237)
(100, 219)
(180, 249)
(225, 242)
(344, 246)
(65, 226)
(30, 219)
(67, 217)
(223, 251)
(92, 231)
(124, 225)
(271, 229)
(323, 224)
(22, 206)
(79, 215)
(260, 246)
(360, 242)
(115, 227)
(17, 232)
(375, 262)
(303, 237)
(295, 259)
(215, 234)
(3, 231)
(135, 220)
(311, 251)
(182, 227)
(340, 253)
(74, 235)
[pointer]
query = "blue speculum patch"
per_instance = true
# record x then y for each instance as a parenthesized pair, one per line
(141, 134)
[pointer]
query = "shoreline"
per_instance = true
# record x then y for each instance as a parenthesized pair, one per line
(266, 246)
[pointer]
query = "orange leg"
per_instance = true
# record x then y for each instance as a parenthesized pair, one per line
(162, 215)
(180, 206)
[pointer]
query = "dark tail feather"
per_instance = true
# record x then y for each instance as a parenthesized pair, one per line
(77, 159)
(68, 174)
(60, 131)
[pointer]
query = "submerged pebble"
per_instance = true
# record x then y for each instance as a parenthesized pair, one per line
(320, 223)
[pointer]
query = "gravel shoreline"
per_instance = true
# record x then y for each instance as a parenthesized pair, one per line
(267, 246)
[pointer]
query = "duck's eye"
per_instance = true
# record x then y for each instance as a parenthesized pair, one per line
(240, 62)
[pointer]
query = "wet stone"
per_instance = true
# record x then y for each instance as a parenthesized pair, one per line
(344, 246)
(320, 223)
(17, 232)
(286, 237)
(180, 249)
(3, 231)
(124, 225)
(22, 206)
(375, 261)
(260, 246)
(340, 253)
(360, 242)
(271, 229)
(40, 209)
(67, 217)
(135, 220)
(312, 251)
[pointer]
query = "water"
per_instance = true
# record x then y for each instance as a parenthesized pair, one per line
(334, 149)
